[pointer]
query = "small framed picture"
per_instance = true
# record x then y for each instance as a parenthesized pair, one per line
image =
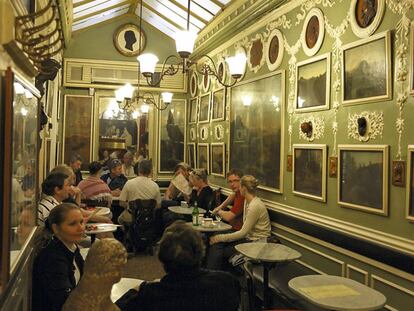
(309, 171)
(191, 154)
(410, 184)
(313, 32)
(366, 16)
(333, 166)
(204, 111)
(203, 156)
(313, 84)
(274, 49)
(126, 40)
(398, 173)
(218, 159)
(366, 70)
(363, 177)
(192, 111)
(218, 103)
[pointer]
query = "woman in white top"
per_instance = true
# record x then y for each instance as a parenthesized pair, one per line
(256, 225)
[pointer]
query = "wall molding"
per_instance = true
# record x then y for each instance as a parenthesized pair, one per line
(350, 268)
(387, 240)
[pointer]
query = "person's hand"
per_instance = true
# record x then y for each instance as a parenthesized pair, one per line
(213, 240)
(116, 192)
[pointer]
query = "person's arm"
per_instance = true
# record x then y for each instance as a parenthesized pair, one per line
(252, 217)
(226, 202)
(226, 215)
(123, 196)
(169, 191)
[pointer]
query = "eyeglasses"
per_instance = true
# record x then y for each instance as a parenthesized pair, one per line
(232, 181)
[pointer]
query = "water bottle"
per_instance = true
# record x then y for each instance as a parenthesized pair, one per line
(195, 214)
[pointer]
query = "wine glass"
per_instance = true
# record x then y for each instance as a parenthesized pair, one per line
(218, 217)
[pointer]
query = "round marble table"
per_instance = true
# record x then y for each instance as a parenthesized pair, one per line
(337, 293)
(185, 210)
(218, 226)
(269, 255)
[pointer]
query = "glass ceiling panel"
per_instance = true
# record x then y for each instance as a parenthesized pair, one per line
(87, 5)
(158, 22)
(100, 17)
(170, 15)
(97, 8)
(197, 9)
(207, 4)
(182, 13)
(224, 1)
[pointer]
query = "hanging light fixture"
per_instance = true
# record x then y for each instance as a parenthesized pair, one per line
(185, 40)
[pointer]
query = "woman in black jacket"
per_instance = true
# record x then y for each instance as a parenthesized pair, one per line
(58, 265)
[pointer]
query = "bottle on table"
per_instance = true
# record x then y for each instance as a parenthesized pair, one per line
(195, 214)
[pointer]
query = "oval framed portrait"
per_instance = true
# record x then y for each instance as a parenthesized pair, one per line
(366, 16)
(126, 39)
(221, 72)
(205, 81)
(193, 84)
(274, 49)
(313, 32)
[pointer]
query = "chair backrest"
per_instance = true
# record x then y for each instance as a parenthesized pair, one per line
(139, 205)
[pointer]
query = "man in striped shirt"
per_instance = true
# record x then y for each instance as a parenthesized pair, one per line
(55, 188)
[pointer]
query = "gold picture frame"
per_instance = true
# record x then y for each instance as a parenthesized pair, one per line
(309, 74)
(361, 73)
(309, 171)
(410, 184)
(218, 159)
(126, 39)
(364, 186)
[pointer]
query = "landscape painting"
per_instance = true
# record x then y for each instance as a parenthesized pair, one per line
(192, 115)
(309, 171)
(363, 177)
(366, 70)
(191, 155)
(313, 84)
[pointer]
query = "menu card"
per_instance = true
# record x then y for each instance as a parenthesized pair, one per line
(181, 183)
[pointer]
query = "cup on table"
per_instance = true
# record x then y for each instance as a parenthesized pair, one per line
(184, 204)
(200, 219)
(207, 222)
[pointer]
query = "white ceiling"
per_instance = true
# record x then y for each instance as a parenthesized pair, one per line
(168, 16)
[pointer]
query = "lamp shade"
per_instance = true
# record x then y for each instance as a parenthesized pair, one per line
(119, 95)
(237, 65)
(147, 63)
(145, 108)
(184, 42)
(128, 91)
(167, 97)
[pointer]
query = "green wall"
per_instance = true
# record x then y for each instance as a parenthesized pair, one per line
(395, 223)
(97, 42)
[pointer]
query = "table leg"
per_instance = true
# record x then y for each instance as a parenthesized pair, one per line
(93, 237)
(266, 296)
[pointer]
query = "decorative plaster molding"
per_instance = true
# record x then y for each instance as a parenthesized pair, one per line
(255, 49)
(204, 133)
(318, 128)
(309, 4)
(193, 134)
(219, 132)
(374, 127)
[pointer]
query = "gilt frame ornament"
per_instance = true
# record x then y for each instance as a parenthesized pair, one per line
(193, 134)
(370, 129)
(365, 18)
(313, 26)
(317, 128)
(219, 132)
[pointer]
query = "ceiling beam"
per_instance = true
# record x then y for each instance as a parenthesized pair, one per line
(150, 8)
(191, 12)
(100, 11)
(82, 3)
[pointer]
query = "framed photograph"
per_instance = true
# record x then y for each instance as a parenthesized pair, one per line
(218, 161)
(218, 104)
(203, 156)
(366, 16)
(274, 49)
(309, 171)
(126, 40)
(204, 109)
(410, 184)
(77, 139)
(171, 136)
(256, 137)
(366, 70)
(363, 177)
(192, 114)
(313, 78)
(191, 154)
(313, 32)
(398, 173)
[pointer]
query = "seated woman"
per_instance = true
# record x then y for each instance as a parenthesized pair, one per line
(93, 187)
(186, 286)
(256, 225)
(58, 265)
(173, 195)
(202, 192)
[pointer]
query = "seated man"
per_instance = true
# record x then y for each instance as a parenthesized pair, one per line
(235, 215)
(141, 187)
(186, 286)
(75, 163)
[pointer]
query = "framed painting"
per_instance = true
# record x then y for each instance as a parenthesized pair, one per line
(363, 177)
(313, 32)
(274, 49)
(366, 70)
(204, 109)
(193, 84)
(256, 137)
(127, 39)
(203, 156)
(78, 139)
(192, 114)
(171, 136)
(309, 171)
(366, 16)
(191, 154)
(218, 105)
(313, 78)
(410, 184)
(218, 161)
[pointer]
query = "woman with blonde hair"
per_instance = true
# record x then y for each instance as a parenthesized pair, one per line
(256, 226)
